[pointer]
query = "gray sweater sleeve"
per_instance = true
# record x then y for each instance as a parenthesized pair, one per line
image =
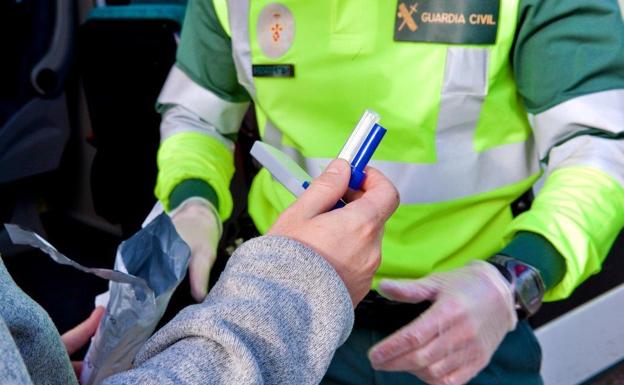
(13, 370)
(276, 316)
(31, 349)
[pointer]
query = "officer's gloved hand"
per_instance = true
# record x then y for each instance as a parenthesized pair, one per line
(472, 311)
(197, 222)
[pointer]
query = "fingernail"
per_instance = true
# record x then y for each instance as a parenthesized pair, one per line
(388, 285)
(333, 167)
(375, 357)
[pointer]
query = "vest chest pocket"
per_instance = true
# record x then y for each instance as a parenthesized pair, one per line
(353, 26)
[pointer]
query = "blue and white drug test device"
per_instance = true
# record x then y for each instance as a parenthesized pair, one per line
(283, 168)
(361, 145)
(358, 150)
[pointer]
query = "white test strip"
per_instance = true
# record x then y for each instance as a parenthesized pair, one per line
(281, 166)
(353, 144)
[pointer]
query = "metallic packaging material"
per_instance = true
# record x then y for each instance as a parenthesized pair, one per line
(148, 268)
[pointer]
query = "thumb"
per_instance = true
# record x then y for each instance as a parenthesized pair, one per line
(78, 337)
(200, 266)
(325, 190)
(408, 291)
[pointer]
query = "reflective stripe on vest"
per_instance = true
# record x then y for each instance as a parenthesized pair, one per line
(557, 133)
(238, 16)
(460, 175)
(180, 89)
(557, 124)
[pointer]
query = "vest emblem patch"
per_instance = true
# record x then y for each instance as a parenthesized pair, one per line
(275, 30)
(447, 21)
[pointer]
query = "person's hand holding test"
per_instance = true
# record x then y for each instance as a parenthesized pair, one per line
(348, 238)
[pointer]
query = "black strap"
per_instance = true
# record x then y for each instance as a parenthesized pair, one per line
(378, 313)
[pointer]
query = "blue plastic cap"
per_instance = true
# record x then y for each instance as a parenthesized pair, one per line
(364, 155)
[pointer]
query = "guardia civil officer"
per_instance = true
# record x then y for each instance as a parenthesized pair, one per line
(481, 98)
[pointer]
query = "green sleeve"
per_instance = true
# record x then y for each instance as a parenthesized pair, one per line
(205, 53)
(565, 49)
(535, 250)
(192, 188)
(205, 56)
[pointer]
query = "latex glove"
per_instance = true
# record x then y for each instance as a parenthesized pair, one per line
(80, 335)
(450, 343)
(197, 222)
(349, 238)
